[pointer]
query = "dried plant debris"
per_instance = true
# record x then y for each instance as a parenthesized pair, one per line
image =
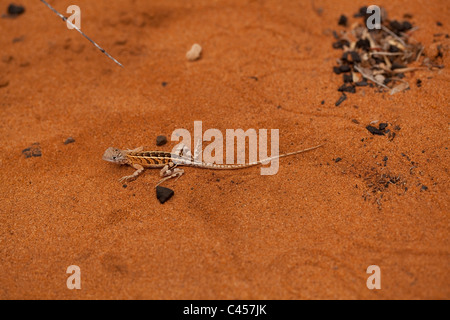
(378, 57)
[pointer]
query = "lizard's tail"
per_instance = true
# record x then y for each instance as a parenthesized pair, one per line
(284, 155)
(251, 164)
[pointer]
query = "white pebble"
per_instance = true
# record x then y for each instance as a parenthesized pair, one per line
(194, 53)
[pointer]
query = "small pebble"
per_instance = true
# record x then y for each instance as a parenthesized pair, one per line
(194, 53)
(341, 99)
(164, 194)
(69, 140)
(161, 140)
(4, 83)
(33, 151)
(15, 10)
(374, 131)
(342, 21)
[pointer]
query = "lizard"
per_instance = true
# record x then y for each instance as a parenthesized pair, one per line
(169, 162)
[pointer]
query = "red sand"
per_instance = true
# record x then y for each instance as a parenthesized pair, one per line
(308, 232)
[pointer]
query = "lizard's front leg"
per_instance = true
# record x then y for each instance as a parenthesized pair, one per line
(139, 170)
(170, 171)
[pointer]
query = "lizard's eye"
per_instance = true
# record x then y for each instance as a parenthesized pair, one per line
(114, 157)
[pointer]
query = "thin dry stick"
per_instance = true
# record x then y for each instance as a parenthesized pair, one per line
(394, 35)
(75, 27)
(368, 76)
(386, 53)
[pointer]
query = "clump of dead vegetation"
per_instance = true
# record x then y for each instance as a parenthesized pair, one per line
(378, 57)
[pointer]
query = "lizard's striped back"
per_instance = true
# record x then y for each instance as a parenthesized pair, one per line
(150, 159)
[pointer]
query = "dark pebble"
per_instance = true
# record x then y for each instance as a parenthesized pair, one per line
(69, 140)
(341, 99)
(323, 102)
(124, 186)
(337, 160)
(361, 13)
(163, 194)
(363, 44)
(33, 151)
(164, 84)
(374, 131)
(424, 188)
(342, 21)
(439, 24)
(407, 25)
(15, 10)
(340, 44)
(347, 78)
(161, 140)
(361, 84)
(345, 88)
(344, 68)
(355, 56)
(398, 27)
(419, 83)
(382, 126)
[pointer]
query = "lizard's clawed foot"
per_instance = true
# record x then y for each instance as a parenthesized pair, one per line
(127, 178)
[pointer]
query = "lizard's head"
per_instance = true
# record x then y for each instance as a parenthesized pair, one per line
(115, 155)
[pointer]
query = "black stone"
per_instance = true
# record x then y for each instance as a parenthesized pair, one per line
(342, 21)
(341, 99)
(69, 140)
(406, 25)
(344, 68)
(15, 10)
(363, 44)
(161, 140)
(164, 194)
(340, 44)
(382, 126)
(337, 160)
(345, 88)
(374, 131)
(361, 13)
(361, 84)
(347, 78)
(355, 56)
(164, 84)
(33, 151)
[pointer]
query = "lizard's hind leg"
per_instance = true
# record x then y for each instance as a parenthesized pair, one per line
(169, 172)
